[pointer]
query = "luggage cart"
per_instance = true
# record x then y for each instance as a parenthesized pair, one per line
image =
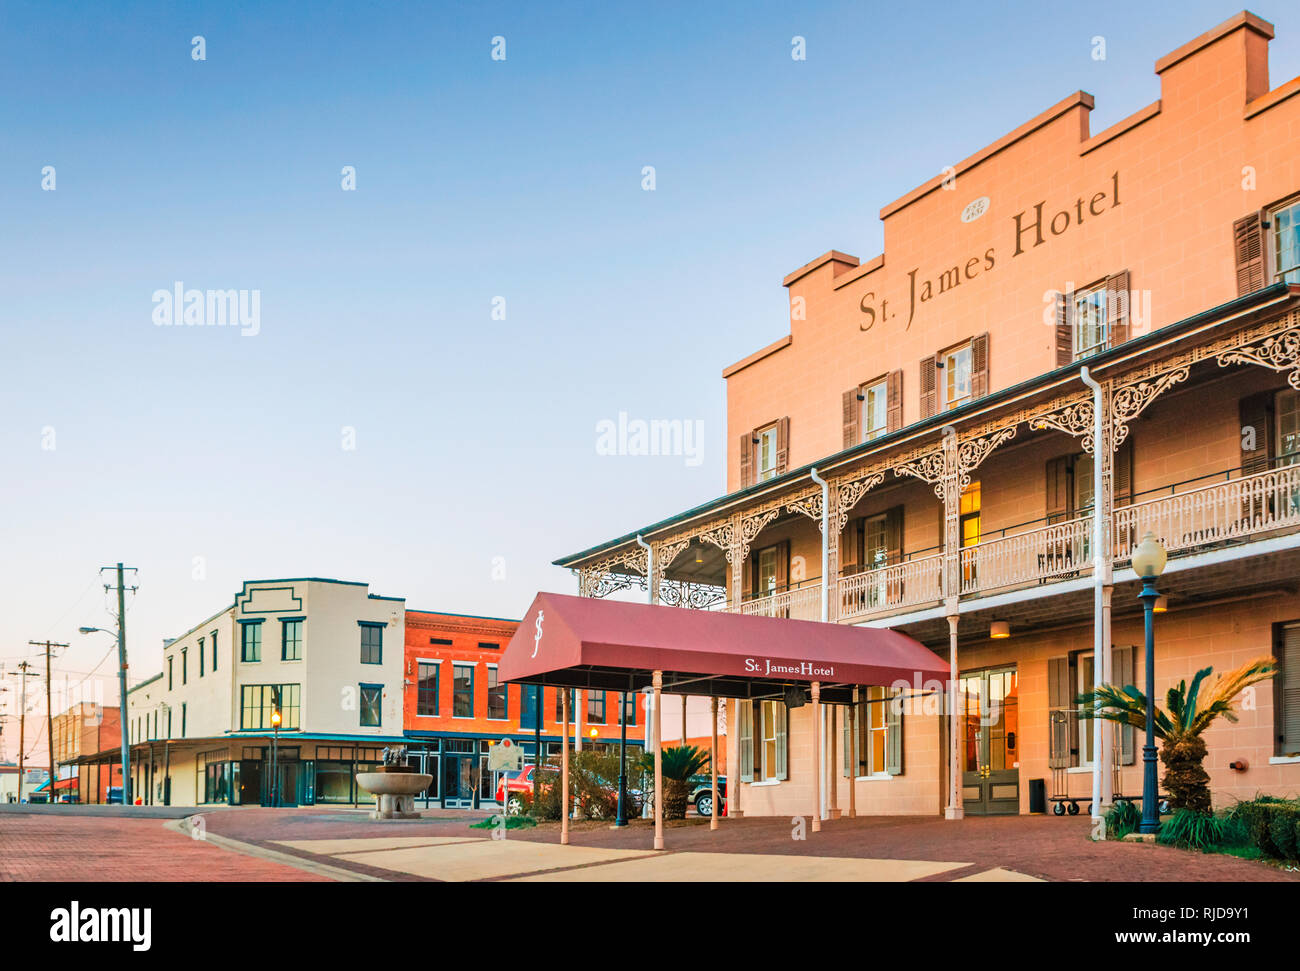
(1062, 802)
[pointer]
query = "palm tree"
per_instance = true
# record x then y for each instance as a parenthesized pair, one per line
(1180, 728)
(679, 764)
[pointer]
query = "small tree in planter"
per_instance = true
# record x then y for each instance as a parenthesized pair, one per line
(679, 764)
(1180, 727)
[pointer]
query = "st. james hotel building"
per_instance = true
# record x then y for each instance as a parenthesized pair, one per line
(939, 389)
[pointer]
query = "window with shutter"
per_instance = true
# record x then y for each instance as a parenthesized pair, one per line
(875, 409)
(1256, 414)
(1286, 243)
(1248, 251)
(928, 372)
(745, 710)
(979, 368)
(1064, 330)
(956, 384)
(851, 411)
(1286, 687)
(1060, 705)
(746, 460)
(893, 735)
(894, 406)
(1117, 308)
(766, 442)
(782, 446)
(1122, 672)
(1122, 471)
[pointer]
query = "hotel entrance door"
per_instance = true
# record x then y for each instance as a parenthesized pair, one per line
(990, 775)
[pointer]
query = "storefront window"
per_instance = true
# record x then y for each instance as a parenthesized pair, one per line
(426, 702)
(462, 700)
(496, 696)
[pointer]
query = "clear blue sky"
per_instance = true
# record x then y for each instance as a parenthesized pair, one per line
(475, 179)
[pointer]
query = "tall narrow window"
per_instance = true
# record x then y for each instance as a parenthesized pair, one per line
(529, 706)
(291, 639)
(427, 693)
(201, 653)
(372, 643)
(595, 707)
(214, 651)
(462, 688)
(766, 453)
(1287, 409)
(629, 707)
(250, 648)
(875, 410)
(1286, 687)
(1091, 327)
(956, 381)
(496, 696)
(170, 685)
(1286, 244)
(371, 698)
(185, 665)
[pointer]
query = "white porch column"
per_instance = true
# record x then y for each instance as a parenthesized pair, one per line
(954, 810)
(817, 756)
(659, 765)
(564, 768)
(1108, 732)
(713, 764)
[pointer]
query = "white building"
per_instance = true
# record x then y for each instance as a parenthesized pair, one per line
(326, 654)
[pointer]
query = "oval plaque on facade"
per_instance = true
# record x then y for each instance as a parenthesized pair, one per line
(975, 209)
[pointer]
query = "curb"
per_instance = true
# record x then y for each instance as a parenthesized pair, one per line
(340, 874)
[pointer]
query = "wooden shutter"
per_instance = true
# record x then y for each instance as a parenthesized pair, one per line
(782, 446)
(852, 417)
(746, 712)
(747, 570)
(929, 386)
(846, 743)
(894, 534)
(893, 737)
(979, 366)
(850, 547)
(894, 401)
(782, 740)
(1122, 487)
(782, 565)
(1064, 330)
(1256, 412)
(746, 460)
(1117, 307)
(1248, 252)
(1059, 493)
(1058, 701)
(1121, 672)
(1286, 686)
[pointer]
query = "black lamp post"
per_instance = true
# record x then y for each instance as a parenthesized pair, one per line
(621, 819)
(1148, 563)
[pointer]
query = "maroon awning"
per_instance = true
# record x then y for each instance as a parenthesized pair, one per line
(582, 642)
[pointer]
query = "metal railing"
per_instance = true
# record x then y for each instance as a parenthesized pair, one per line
(1054, 552)
(802, 603)
(1212, 514)
(889, 587)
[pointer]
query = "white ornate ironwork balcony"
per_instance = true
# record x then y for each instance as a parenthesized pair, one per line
(1214, 513)
(1054, 552)
(803, 603)
(892, 587)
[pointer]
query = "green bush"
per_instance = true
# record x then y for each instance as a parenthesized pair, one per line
(1122, 819)
(1271, 825)
(1191, 829)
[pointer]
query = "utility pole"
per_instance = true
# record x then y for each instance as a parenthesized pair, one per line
(123, 721)
(49, 707)
(23, 675)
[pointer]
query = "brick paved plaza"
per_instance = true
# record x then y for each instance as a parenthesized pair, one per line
(295, 844)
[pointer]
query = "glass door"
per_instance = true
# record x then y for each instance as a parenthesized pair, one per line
(990, 727)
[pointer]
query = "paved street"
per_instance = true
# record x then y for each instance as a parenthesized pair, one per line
(322, 844)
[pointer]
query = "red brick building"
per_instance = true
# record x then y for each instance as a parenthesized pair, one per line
(84, 729)
(453, 709)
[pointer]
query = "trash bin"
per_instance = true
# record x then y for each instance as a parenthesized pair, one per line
(1037, 796)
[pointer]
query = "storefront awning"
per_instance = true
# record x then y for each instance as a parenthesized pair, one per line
(582, 642)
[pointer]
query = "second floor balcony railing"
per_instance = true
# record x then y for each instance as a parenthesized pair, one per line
(1185, 517)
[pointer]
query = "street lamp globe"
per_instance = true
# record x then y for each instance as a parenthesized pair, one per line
(1150, 556)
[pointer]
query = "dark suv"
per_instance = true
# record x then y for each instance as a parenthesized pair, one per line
(702, 793)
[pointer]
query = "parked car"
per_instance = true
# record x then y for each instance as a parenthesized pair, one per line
(114, 795)
(517, 783)
(702, 794)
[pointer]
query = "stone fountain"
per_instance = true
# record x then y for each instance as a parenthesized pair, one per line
(394, 785)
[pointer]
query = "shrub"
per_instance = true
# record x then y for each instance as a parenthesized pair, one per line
(1270, 825)
(1122, 819)
(1190, 829)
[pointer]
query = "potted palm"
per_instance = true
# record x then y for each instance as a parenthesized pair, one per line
(1179, 726)
(679, 764)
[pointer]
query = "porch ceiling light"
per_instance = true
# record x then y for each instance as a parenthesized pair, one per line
(999, 629)
(1149, 558)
